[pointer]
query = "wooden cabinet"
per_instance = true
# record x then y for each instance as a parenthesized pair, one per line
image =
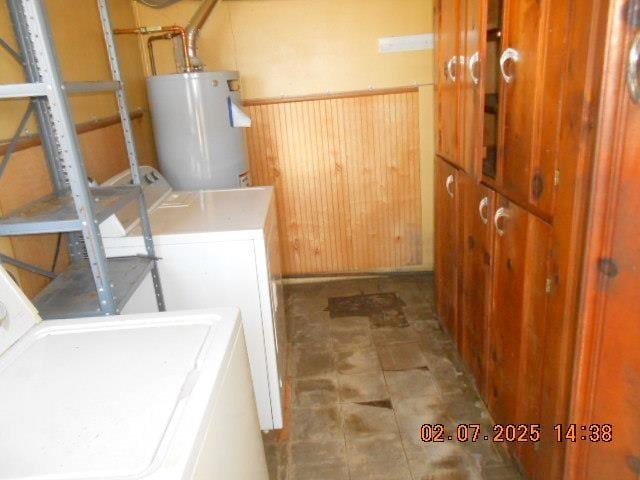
(521, 62)
(477, 243)
(528, 67)
(521, 262)
(498, 97)
(607, 387)
(448, 56)
(472, 85)
(517, 130)
(459, 97)
(447, 194)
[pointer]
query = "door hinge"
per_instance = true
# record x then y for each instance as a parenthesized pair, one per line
(549, 285)
(556, 178)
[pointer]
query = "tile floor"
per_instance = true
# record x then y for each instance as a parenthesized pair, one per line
(364, 373)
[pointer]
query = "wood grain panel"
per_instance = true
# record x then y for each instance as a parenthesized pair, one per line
(607, 384)
(347, 178)
(448, 195)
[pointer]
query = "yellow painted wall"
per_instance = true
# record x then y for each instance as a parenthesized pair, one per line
(285, 48)
(80, 45)
(298, 47)
(79, 41)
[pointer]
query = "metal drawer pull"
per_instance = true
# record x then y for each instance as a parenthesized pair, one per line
(449, 185)
(451, 64)
(483, 209)
(474, 61)
(500, 214)
(633, 78)
(510, 54)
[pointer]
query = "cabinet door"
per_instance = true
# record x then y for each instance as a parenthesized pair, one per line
(472, 85)
(446, 244)
(448, 60)
(532, 68)
(477, 243)
(519, 298)
(607, 389)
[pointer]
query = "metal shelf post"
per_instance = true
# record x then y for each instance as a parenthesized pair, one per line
(127, 130)
(115, 279)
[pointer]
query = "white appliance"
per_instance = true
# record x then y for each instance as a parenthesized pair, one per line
(198, 125)
(216, 248)
(155, 396)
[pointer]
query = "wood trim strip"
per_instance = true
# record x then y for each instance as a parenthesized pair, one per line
(29, 141)
(328, 96)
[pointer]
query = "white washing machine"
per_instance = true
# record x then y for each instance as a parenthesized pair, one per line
(160, 396)
(216, 248)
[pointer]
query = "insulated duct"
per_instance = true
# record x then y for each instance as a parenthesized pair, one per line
(158, 3)
(193, 30)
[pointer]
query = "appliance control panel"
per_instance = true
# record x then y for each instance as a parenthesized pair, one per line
(155, 188)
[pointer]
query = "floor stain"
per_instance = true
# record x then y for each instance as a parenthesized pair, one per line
(364, 305)
(386, 403)
(366, 371)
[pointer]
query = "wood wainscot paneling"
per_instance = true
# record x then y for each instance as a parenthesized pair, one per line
(346, 168)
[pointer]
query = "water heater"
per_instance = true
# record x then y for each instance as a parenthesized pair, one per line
(198, 126)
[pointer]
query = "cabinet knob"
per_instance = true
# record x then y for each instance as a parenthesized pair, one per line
(510, 55)
(483, 210)
(501, 213)
(633, 78)
(449, 185)
(474, 61)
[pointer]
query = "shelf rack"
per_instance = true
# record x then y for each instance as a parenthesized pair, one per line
(93, 284)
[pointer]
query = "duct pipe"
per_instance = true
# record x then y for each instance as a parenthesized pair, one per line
(158, 3)
(193, 30)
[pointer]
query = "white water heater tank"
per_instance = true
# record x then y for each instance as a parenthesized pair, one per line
(198, 126)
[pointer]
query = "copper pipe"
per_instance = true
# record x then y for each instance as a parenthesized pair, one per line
(175, 29)
(152, 58)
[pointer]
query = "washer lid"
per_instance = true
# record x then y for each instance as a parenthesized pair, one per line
(17, 313)
(107, 399)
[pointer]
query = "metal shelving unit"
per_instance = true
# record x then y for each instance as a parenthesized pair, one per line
(93, 284)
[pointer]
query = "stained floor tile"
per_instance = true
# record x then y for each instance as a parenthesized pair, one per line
(418, 383)
(359, 421)
(309, 362)
(318, 453)
(358, 360)
(362, 388)
(365, 380)
(402, 356)
(351, 339)
(315, 392)
(316, 424)
(387, 335)
(380, 456)
(337, 471)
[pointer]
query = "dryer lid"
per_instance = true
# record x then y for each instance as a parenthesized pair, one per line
(17, 313)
